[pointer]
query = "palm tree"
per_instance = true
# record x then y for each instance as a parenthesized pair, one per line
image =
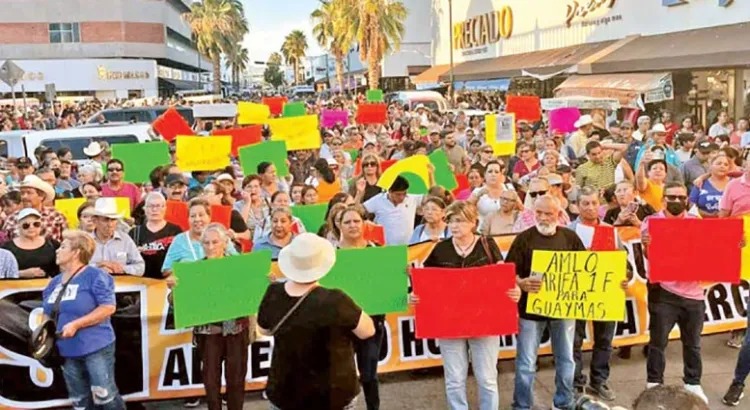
(378, 26)
(274, 59)
(294, 50)
(237, 60)
(331, 30)
(216, 24)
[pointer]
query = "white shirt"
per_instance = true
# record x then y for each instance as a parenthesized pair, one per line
(718, 129)
(397, 221)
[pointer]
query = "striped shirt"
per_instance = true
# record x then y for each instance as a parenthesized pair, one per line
(598, 176)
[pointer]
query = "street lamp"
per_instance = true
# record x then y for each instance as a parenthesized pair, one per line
(450, 36)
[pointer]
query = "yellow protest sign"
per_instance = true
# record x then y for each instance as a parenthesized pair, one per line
(251, 113)
(203, 153)
(69, 209)
(298, 132)
(745, 272)
(500, 133)
(416, 164)
(579, 285)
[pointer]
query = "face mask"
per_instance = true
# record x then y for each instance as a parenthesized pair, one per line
(676, 208)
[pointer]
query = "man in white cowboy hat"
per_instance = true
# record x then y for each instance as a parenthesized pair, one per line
(95, 152)
(578, 139)
(115, 252)
(657, 139)
(34, 194)
(298, 311)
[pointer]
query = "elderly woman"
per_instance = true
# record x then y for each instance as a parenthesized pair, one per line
(224, 344)
(155, 235)
(366, 186)
(312, 366)
(86, 174)
(86, 339)
(434, 227)
(85, 214)
(278, 200)
(35, 253)
(502, 221)
(466, 249)
(280, 234)
(253, 208)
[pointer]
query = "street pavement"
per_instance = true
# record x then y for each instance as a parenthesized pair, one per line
(412, 391)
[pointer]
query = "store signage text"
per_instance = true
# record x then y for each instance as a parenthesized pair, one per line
(480, 31)
(672, 3)
(580, 9)
(33, 76)
(105, 74)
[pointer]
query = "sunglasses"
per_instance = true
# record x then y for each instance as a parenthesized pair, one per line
(114, 169)
(370, 164)
(674, 198)
(537, 193)
(27, 225)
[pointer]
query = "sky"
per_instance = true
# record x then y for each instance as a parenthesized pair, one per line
(271, 20)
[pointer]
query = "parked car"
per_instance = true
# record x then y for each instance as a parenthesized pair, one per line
(139, 114)
(430, 99)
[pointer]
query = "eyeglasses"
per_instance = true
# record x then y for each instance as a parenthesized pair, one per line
(155, 206)
(370, 164)
(114, 169)
(27, 225)
(537, 193)
(675, 198)
(489, 151)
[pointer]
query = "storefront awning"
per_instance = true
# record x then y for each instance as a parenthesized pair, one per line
(500, 84)
(179, 85)
(537, 63)
(431, 75)
(625, 88)
(714, 47)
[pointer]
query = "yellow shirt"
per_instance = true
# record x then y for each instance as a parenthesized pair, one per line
(653, 195)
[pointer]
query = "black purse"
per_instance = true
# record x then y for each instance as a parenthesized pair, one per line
(43, 342)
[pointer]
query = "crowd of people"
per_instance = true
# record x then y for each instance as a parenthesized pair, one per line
(616, 173)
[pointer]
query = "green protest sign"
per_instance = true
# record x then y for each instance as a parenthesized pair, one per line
(296, 109)
(312, 216)
(374, 277)
(375, 96)
(443, 174)
(140, 159)
(416, 184)
(268, 151)
(214, 290)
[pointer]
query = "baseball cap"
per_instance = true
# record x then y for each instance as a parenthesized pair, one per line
(174, 179)
(707, 146)
(23, 162)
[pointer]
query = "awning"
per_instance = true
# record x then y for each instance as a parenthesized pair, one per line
(723, 46)
(626, 88)
(179, 85)
(580, 102)
(500, 84)
(431, 75)
(537, 63)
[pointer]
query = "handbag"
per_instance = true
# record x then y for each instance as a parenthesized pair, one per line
(289, 313)
(486, 247)
(43, 342)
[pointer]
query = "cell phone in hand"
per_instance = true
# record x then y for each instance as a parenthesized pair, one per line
(632, 207)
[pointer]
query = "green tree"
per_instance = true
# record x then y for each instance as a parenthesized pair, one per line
(294, 50)
(237, 60)
(331, 30)
(273, 75)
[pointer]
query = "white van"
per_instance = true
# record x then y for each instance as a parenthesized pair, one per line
(23, 143)
(430, 99)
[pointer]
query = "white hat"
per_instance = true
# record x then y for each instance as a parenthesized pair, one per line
(659, 128)
(420, 106)
(107, 207)
(93, 149)
(583, 121)
(307, 259)
(332, 161)
(224, 177)
(33, 181)
(26, 212)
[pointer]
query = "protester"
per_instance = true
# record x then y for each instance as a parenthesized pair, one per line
(599, 170)
(670, 303)
(395, 211)
(253, 208)
(34, 193)
(630, 210)
(698, 165)
(154, 236)
(115, 252)
(502, 221)
(528, 162)
(650, 180)
(370, 176)
(278, 200)
(487, 197)
(466, 249)
(116, 185)
(434, 227)
(578, 140)
(82, 317)
(34, 253)
(8, 265)
(545, 234)
(706, 197)
(527, 218)
(280, 234)
(270, 182)
(319, 375)
(309, 195)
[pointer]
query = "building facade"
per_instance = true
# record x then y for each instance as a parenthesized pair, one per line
(101, 48)
(685, 55)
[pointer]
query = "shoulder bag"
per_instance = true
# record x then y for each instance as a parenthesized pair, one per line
(289, 313)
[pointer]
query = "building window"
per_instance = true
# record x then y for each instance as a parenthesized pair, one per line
(64, 33)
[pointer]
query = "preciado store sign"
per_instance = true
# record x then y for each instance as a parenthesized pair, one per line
(483, 30)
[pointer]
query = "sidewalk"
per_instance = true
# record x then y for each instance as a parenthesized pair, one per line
(408, 391)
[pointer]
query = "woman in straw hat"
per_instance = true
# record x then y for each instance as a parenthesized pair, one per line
(313, 357)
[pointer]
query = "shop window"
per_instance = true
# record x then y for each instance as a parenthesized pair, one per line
(64, 33)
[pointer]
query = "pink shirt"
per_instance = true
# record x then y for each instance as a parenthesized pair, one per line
(736, 197)
(127, 190)
(527, 219)
(689, 290)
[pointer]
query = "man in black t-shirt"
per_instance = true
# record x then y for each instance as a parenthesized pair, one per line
(545, 235)
(155, 235)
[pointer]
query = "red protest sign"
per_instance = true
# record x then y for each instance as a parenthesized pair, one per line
(171, 124)
(372, 113)
(463, 183)
(177, 213)
(275, 104)
(222, 214)
(682, 251)
(526, 107)
(242, 136)
(604, 238)
(461, 303)
(374, 233)
(385, 164)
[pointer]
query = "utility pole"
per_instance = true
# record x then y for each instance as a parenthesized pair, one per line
(451, 90)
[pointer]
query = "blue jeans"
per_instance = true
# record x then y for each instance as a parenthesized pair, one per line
(743, 360)
(455, 353)
(91, 381)
(562, 333)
